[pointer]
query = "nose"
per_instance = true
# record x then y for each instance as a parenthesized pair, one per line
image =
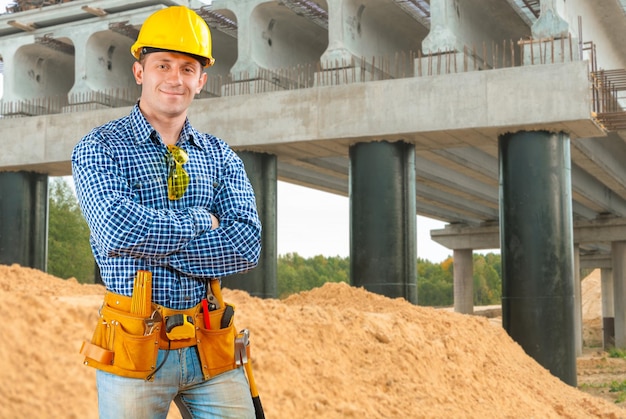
(174, 76)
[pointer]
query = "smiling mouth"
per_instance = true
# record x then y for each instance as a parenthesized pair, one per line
(168, 92)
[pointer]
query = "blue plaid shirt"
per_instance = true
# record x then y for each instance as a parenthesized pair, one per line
(120, 171)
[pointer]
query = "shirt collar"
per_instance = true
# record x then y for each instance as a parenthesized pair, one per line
(143, 131)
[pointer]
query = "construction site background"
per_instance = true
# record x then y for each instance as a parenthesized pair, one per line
(23, 5)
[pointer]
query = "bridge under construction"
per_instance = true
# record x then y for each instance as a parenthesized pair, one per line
(502, 118)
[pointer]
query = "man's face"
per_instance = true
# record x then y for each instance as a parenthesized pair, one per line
(169, 83)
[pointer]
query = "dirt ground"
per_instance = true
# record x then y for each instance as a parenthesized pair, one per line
(596, 371)
(333, 352)
(595, 368)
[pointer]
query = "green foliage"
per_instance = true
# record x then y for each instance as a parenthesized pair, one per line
(435, 283)
(69, 253)
(296, 274)
(618, 387)
(487, 279)
(617, 353)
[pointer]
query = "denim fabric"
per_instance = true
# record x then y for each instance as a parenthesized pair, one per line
(224, 396)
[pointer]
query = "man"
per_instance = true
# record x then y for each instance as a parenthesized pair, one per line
(170, 209)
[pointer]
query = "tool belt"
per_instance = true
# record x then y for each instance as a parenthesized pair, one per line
(126, 344)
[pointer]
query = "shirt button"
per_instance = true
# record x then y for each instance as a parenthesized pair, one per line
(187, 298)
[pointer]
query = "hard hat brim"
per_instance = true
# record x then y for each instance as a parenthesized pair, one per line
(204, 61)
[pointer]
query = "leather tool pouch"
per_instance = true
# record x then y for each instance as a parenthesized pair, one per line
(123, 345)
(216, 346)
(119, 345)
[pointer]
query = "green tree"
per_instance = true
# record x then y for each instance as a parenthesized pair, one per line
(296, 274)
(487, 279)
(435, 283)
(69, 253)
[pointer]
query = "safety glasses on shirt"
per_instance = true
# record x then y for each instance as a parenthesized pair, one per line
(178, 178)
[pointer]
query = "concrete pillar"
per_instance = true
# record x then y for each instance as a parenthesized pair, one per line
(578, 303)
(443, 37)
(443, 20)
(270, 39)
(261, 281)
(542, 48)
(536, 235)
(549, 24)
(246, 63)
(383, 226)
(608, 309)
(338, 50)
(8, 48)
(24, 219)
(81, 78)
(103, 69)
(618, 250)
(463, 281)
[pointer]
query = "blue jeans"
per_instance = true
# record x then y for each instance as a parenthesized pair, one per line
(224, 396)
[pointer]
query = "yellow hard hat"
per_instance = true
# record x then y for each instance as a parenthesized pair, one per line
(177, 29)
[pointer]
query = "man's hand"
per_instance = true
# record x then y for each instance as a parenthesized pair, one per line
(215, 222)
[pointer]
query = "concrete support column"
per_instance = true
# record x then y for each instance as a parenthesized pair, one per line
(536, 235)
(338, 51)
(578, 303)
(618, 250)
(102, 66)
(443, 37)
(463, 281)
(549, 27)
(608, 309)
(24, 219)
(261, 281)
(8, 49)
(443, 20)
(383, 226)
(246, 63)
(80, 38)
(549, 24)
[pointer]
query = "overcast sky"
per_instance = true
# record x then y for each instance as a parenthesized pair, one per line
(313, 223)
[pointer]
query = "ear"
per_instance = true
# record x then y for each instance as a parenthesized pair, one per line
(138, 72)
(202, 82)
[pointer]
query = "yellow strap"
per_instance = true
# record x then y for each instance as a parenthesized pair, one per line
(216, 287)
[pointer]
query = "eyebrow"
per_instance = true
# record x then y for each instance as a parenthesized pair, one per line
(183, 57)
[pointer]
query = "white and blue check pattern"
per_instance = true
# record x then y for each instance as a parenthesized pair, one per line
(120, 172)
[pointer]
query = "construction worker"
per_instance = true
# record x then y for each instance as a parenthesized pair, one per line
(169, 209)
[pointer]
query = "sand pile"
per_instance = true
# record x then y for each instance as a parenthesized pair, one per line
(334, 352)
(591, 292)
